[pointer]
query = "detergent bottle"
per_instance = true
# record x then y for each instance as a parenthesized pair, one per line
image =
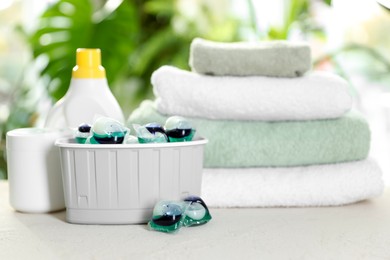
(88, 95)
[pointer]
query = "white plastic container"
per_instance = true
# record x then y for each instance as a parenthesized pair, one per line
(120, 184)
(88, 95)
(34, 170)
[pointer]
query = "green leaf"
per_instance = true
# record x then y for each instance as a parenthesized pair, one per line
(116, 36)
(160, 7)
(63, 27)
(154, 47)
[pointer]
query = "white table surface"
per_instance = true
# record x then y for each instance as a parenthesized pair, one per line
(359, 231)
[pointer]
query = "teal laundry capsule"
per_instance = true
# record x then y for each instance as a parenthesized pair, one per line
(197, 212)
(179, 129)
(150, 133)
(168, 216)
(82, 133)
(107, 131)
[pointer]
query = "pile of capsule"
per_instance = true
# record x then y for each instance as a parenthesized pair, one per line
(170, 216)
(110, 131)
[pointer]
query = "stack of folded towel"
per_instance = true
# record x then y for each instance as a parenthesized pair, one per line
(278, 134)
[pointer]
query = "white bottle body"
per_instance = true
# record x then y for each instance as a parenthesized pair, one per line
(85, 99)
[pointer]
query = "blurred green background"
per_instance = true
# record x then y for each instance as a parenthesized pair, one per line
(136, 37)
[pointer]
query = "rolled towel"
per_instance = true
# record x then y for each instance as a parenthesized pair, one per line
(235, 144)
(269, 58)
(317, 185)
(314, 96)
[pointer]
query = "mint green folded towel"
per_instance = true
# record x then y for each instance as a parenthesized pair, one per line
(262, 58)
(263, 143)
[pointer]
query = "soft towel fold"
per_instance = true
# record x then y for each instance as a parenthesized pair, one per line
(318, 185)
(316, 95)
(272, 58)
(260, 143)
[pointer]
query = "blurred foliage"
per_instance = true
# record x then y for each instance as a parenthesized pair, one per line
(297, 10)
(297, 14)
(21, 114)
(375, 68)
(136, 37)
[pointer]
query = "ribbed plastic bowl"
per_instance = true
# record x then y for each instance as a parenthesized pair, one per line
(120, 183)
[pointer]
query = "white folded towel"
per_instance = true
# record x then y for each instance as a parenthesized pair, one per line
(319, 185)
(316, 95)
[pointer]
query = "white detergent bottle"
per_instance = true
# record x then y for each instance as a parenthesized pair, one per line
(88, 95)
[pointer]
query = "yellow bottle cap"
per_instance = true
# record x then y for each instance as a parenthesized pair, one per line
(88, 64)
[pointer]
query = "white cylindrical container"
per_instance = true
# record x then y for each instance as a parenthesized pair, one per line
(34, 170)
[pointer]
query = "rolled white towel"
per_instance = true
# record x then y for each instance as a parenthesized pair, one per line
(316, 95)
(319, 185)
